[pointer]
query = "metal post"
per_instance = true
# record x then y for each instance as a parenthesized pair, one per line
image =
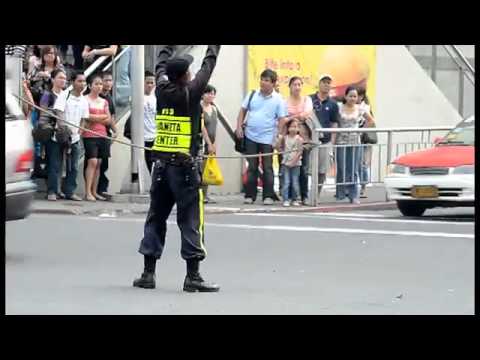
(434, 63)
(461, 89)
(314, 163)
(389, 147)
(139, 177)
(114, 79)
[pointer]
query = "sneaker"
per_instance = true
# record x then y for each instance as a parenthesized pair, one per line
(248, 201)
(305, 202)
(296, 203)
(52, 197)
(74, 197)
(286, 203)
(363, 195)
(61, 195)
(355, 201)
(268, 201)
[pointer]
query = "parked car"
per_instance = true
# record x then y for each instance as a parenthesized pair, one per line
(19, 188)
(443, 176)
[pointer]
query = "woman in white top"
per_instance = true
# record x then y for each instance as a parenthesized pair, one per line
(367, 149)
(348, 158)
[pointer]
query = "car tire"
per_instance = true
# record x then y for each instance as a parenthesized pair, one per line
(410, 208)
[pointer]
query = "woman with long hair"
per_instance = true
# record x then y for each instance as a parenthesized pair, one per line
(39, 77)
(366, 160)
(348, 158)
(300, 107)
(95, 145)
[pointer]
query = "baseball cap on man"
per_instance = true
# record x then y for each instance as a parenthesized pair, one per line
(178, 66)
(325, 76)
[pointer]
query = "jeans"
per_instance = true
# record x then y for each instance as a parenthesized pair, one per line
(291, 176)
(54, 162)
(304, 170)
(365, 165)
(72, 170)
(252, 173)
(348, 160)
(123, 86)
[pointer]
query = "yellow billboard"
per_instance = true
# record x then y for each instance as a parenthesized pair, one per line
(347, 64)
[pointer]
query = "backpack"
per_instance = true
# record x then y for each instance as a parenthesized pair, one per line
(47, 126)
(63, 133)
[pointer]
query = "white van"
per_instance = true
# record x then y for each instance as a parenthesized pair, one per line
(19, 188)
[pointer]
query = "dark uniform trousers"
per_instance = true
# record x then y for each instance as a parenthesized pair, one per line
(172, 184)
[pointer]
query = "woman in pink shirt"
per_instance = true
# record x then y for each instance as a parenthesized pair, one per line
(300, 107)
(96, 147)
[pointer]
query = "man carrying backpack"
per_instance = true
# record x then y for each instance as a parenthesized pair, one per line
(266, 111)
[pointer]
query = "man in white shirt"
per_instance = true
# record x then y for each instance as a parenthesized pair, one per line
(73, 107)
(149, 113)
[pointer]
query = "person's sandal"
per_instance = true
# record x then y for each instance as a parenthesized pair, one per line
(101, 198)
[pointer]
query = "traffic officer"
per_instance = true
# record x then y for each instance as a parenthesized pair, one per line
(176, 176)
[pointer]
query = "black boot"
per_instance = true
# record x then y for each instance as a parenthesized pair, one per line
(146, 281)
(194, 282)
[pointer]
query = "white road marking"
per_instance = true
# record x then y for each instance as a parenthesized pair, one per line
(309, 229)
(359, 217)
(339, 230)
(315, 214)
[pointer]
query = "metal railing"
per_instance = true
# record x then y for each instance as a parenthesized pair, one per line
(382, 154)
(462, 65)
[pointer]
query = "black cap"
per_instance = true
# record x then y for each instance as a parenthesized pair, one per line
(178, 66)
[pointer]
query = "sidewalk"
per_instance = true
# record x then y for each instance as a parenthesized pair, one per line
(124, 204)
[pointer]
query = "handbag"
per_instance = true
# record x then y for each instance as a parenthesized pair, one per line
(211, 173)
(240, 143)
(369, 137)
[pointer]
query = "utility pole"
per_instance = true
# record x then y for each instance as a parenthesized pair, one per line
(138, 180)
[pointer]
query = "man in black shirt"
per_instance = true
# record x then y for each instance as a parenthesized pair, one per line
(103, 181)
(176, 176)
(326, 111)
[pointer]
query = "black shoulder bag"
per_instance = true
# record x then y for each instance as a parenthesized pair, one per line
(240, 143)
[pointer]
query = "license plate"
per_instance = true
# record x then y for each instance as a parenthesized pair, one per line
(424, 192)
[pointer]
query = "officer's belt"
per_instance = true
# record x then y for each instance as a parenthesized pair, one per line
(176, 159)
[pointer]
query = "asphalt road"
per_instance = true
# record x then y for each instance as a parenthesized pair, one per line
(337, 263)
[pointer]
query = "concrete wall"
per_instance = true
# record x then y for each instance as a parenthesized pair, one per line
(406, 96)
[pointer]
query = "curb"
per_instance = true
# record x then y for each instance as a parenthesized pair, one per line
(57, 211)
(372, 206)
(334, 208)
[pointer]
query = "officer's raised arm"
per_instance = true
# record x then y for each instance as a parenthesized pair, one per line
(161, 68)
(197, 86)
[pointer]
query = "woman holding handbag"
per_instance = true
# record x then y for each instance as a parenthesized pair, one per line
(349, 155)
(209, 130)
(367, 139)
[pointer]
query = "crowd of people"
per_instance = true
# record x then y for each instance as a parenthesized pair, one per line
(266, 120)
(270, 123)
(47, 75)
